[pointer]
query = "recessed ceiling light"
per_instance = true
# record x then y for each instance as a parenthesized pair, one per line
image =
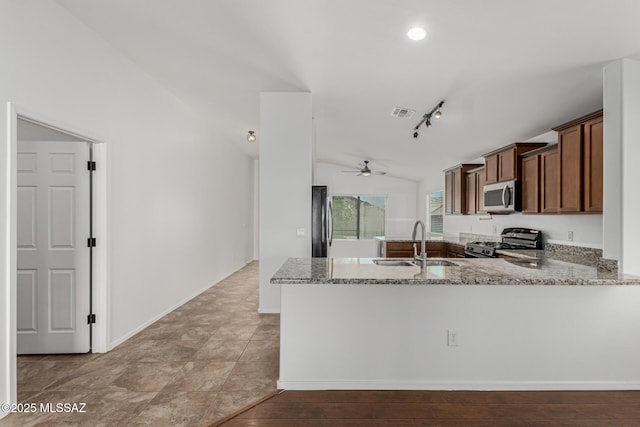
(416, 33)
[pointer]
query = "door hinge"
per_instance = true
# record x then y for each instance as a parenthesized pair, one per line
(91, 242)
(91, 166)
(91, 319)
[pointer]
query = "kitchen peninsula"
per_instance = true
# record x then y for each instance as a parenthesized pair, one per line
(528, 323)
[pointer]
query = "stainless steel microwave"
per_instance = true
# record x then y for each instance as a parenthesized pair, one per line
(502, 197)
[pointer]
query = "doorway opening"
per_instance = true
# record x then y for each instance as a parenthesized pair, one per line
(100, 304)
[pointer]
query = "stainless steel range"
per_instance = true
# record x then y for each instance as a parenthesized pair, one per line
(512, 238)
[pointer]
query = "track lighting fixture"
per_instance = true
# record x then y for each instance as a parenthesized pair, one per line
(426, 119)
(251, 137)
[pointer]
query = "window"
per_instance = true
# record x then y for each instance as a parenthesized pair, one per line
(358, 217)
(435, 211)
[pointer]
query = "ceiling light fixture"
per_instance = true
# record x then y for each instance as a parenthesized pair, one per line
(251, 137)
(416, 33)
(426, 119)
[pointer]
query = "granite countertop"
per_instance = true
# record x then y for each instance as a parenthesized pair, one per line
(523, 253)
(469, 271)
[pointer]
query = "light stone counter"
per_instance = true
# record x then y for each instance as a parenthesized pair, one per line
(469, 271)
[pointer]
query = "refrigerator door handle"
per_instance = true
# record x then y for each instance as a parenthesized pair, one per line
(330, 222)
(323, 234)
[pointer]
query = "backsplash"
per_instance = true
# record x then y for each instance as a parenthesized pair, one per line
(473, 237)
(580, 255)
(575, 254)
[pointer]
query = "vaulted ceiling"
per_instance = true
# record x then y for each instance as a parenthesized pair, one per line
(508, 69)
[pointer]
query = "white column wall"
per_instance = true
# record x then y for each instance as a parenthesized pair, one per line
(621, 229)
(286, 162)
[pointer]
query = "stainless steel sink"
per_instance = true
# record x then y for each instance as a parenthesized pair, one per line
(406, 263)
(394, 262)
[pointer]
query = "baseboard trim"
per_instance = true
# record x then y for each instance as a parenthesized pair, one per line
(459, 385)
(268, 310)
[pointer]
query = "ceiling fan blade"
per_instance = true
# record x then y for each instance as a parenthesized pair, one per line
(379, 172)
(350, 171)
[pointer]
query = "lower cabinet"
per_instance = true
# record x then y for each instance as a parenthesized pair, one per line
(455, 250)
(401, 249)
(434, 249)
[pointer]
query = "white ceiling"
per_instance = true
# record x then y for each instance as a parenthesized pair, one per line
(508, 69)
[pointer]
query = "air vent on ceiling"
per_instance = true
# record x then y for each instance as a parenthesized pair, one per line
(403, 113)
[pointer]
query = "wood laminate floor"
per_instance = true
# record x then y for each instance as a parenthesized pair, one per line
(443, 408)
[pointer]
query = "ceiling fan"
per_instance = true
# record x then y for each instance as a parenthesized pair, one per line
(365, 170)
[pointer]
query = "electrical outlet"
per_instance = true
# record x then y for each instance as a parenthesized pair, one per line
(452, 338)
(300, 232)
(570, 236)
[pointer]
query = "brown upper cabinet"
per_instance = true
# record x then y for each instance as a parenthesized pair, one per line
(580, 158)
(549, 166)
(455, 188)
(504, 164)
(593, 164)
(540, 180)
(475, 196)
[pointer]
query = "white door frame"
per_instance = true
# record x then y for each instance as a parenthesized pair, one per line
(100, 226)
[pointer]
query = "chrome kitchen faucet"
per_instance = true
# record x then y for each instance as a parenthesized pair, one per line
(423, 255)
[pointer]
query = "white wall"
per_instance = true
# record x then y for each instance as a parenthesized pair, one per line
(509, 337)
(286, 161)
(256, 209)
(400, 212)
(621, 173)
(181, 198)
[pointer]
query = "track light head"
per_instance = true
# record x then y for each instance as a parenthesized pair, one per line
(251, 137)
(426, 119)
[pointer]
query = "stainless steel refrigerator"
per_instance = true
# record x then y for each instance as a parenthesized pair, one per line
(321, 221)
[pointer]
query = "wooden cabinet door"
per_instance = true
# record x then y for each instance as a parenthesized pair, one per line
(570, 169)
(454, 250)
(448, 193)
(435, 249)
(549, 184)
(531, 184)
(400, 249)
(491, 169)
(507, 165)
(480, 176)
(593, 168)
(458, 187)
(472, 183)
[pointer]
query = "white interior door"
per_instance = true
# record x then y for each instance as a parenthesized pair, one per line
(53, 257)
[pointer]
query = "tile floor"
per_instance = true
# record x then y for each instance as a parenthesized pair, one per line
(198, 364)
